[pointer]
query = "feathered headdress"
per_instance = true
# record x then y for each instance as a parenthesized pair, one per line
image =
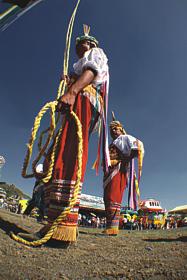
(115, 123)
(86, 36)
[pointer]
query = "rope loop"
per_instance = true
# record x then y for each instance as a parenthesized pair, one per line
(72, 201)
(51, 133)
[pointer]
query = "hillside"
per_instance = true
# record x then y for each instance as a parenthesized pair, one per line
(12, 190)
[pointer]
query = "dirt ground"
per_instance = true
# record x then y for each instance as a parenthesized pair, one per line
(149, 255)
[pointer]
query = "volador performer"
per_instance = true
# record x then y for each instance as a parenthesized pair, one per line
(86, 95)
(123, 149)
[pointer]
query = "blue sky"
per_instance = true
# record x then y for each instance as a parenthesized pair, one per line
(146, 45)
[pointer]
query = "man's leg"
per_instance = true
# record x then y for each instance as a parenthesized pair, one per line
(113, 194)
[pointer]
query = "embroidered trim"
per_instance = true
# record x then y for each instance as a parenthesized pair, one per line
(114, 172)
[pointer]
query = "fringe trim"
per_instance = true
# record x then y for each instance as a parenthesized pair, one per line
(65, 233)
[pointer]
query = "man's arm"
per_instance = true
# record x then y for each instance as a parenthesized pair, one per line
(84, 80)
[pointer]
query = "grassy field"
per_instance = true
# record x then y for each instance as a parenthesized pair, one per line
(154, 254)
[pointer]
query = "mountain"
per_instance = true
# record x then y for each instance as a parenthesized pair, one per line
(12, 190)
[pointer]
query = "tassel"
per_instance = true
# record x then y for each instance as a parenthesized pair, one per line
(140, 161)
(65, 233)
(137, 187)
(62, 232)
(96, 164)
(97, 161)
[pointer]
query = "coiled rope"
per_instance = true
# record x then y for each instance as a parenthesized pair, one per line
(51, 130)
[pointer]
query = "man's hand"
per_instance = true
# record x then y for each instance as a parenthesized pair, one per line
(65, 78)
(66, 102)
(69, 99)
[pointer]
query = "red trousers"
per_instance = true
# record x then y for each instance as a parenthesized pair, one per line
(114, 186)
(58, 192)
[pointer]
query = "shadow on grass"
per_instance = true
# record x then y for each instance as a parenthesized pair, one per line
(92, 233)
(88, 233)
(8, 227)
(180, 239)
(57, 244)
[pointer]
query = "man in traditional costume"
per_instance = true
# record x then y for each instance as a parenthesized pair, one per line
(86, 95)
(37, 196)
(122, 150)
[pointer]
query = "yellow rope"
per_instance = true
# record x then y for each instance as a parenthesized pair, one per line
(40, 148)
(71, 202)
(61, 90)
(52, 106)
(63, 84)
(51, 129)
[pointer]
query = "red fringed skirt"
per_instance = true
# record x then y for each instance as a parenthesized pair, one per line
(58, 192)
(114, 186)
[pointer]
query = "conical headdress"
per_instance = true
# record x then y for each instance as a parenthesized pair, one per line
(115, 123)
(86, 36)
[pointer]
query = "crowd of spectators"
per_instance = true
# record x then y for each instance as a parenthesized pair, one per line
(151, 222)
(10, 204)
(91, 220)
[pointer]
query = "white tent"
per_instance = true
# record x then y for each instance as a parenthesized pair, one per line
(179, 210)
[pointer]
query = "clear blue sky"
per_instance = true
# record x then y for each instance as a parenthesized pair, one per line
(146, 45)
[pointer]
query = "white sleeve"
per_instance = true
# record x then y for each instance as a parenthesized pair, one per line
(95, 59)
(126, 143)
